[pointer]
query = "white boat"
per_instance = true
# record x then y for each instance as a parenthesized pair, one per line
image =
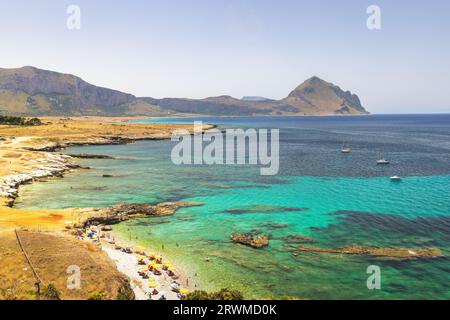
(383, 161)
(395, 178)
(345, 148)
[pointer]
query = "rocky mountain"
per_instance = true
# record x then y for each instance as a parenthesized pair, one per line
(316, 96)
(32, 92)
(313, 97)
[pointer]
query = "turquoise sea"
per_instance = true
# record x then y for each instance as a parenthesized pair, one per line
(336, 199)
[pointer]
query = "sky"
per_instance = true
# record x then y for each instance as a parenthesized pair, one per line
(201, 48)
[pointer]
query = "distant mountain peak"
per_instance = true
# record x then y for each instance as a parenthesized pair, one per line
(325, 98)
(314, 79)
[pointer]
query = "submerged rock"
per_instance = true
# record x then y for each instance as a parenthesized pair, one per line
(395, 253)
(249, 239)
(298, 238)
(90, 156)
(275, 225)
(92, 188)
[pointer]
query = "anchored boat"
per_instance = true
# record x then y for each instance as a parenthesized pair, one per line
(382, 159)
(345, 148)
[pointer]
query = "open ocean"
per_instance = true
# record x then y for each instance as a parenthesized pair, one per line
(336, 199)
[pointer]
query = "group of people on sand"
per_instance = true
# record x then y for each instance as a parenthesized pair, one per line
(154, 266)
(151, 265)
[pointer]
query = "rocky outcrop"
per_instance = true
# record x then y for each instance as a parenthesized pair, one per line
(393, 253)
(316, 96)
(123, 212)
(99, 141)
(249, 239)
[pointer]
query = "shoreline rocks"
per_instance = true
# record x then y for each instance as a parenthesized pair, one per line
(123, 212)
(51, 165)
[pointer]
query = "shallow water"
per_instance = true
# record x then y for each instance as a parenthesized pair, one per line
(333, 198)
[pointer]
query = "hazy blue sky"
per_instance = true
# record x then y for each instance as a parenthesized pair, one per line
(199, 48)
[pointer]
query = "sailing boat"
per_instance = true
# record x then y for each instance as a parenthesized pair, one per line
(345, 148)
(382, 160)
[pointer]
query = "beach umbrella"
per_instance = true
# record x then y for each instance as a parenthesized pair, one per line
(151, 279)
(184, 291)
(140, 250)
(152, 285)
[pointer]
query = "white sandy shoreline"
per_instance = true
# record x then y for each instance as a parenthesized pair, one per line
(153, 286)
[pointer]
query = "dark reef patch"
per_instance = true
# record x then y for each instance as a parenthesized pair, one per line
(386, 229)
(271, 225)
(261, 208)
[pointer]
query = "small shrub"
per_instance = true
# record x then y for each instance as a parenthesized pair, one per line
(98, 296)
(197, 295)
(19, 121)
(50, 292)
(125, 293)
(223, 294)
(33, 122)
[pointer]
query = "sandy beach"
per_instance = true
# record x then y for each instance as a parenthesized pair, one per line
(152, 276)
(128, 264)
